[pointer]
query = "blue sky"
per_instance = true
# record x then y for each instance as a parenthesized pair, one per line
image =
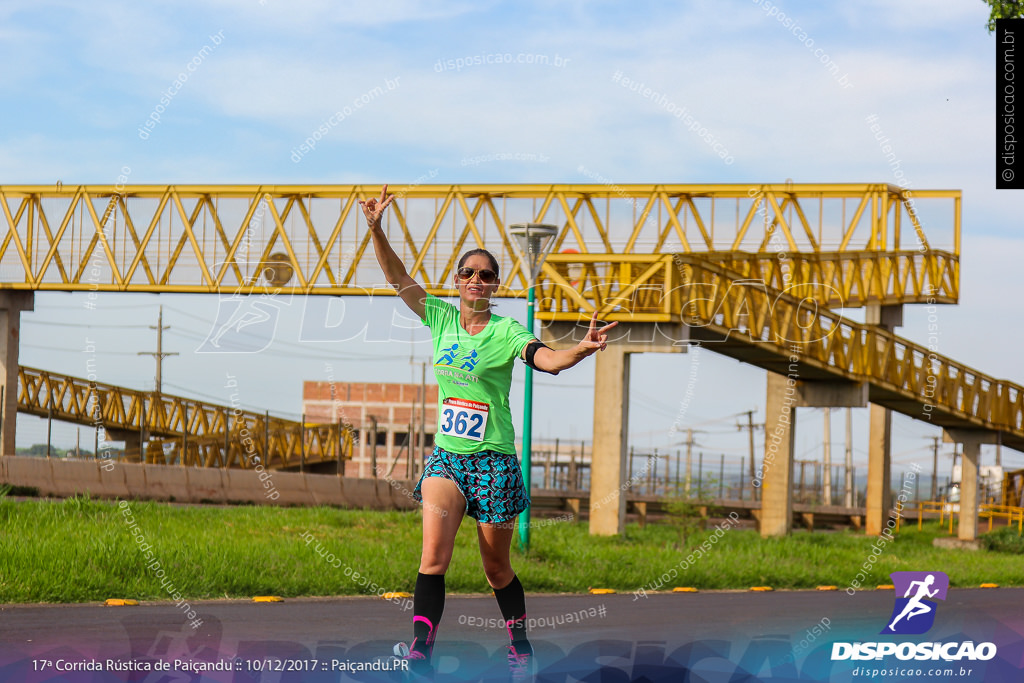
(82, 78)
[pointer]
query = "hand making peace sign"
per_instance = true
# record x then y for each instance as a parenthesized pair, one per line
(373, 208)
(596, 339)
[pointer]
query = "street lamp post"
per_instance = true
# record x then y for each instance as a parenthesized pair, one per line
(534, 241)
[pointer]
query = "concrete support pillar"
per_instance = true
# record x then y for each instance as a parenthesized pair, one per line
(132, 443)
(132, 447)
(608, 461)
(968, 530)
(12, 303)
(971, 440)
(879, 498)
(879, 494)
(608, 474)
(888, 317)
(777, 476)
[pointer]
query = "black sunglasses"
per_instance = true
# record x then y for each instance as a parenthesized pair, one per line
(487, 275)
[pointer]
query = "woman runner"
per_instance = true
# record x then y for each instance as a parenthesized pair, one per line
(473, 469)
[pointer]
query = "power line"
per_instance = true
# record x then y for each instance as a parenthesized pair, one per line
(277, 342)
(80, 308)
(79, 351)
(221, 400)
(560, 385)
(292, 354)
(89, 325)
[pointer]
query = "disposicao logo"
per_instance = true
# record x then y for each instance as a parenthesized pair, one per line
(914, 613)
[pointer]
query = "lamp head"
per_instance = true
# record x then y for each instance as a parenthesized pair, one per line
(534, 241)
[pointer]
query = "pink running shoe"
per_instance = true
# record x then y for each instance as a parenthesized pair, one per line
(520, 662)
(418, 667)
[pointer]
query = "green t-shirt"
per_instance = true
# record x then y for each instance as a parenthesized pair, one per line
(474, 374)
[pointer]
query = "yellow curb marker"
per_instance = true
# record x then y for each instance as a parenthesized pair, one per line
(397, 594)
(886, 587)
(761, 589)
(119, 602)
(267, 598)
(990, 585)
(602, 591)
(827, 588)
(686, 589)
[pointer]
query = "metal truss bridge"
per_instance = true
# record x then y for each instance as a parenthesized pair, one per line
(754, 271)
(181, 431)
(860, 244)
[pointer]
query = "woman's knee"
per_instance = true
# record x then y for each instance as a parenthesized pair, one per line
(497, 566)
(435, 558)
(498, 576)
(434, 563)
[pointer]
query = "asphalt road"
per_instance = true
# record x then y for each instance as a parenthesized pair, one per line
(707, 636)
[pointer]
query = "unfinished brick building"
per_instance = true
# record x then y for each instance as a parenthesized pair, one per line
(394, 423)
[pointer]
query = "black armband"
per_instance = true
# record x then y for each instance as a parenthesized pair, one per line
(531, 351)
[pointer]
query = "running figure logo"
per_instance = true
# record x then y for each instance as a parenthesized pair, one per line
(244, 324)
(914, 613)
(453, 356)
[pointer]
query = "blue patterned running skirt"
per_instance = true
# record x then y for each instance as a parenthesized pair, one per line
(491, 482)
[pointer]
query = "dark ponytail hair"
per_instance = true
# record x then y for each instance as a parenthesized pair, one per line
(481, 252)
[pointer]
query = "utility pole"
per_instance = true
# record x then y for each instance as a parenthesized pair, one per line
(413, 460)
(373, 445)
(679, 467)
(935, 468)
(826, 482)
(848, 498)
(423, 408)
(159, 354)
(952, 468)
(418, 436)
(689, 458)
(750, 433)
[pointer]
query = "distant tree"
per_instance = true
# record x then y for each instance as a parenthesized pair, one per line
(39, 450)
(688, 511)
(1004, 9)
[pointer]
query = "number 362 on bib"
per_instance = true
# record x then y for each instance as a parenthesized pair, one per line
(463, 418)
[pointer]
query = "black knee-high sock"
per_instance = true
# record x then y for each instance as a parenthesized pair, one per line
(427, 607)
(512, 603)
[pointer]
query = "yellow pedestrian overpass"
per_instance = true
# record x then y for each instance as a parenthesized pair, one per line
(756, 272)
(181, 431)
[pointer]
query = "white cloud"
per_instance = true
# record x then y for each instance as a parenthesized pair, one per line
(914, 15)
(87, 75)
(301, 16)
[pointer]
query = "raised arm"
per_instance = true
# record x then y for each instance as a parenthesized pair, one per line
(397, 276)
(551, 361)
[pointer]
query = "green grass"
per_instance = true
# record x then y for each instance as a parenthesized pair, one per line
(1007, 540)
(82, 550)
